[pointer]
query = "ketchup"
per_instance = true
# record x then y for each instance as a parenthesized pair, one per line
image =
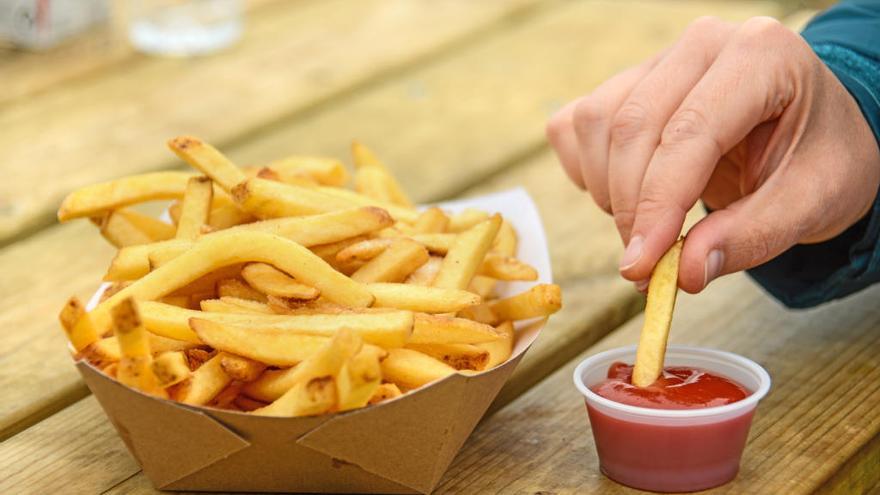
(678, 387)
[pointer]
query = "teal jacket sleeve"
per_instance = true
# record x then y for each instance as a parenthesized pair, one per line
(847, 39)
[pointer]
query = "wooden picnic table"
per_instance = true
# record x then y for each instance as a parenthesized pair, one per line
(453, 94)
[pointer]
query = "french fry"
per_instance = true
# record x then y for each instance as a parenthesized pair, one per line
(298, 179)
(662, 290)
(198, 356)
(483, 286)
(436, 243)
(177, 300)
(466, 254)
(425, 274)
(195, 208)
(399, 213)
(385, 392)
(326, 171)
(432, 220)
(159, 344)
(439, 329)
(77, 325)
(506, 268)
(207, 283)
(358, 380)
(459, 356)
(225, 399)
(203, 384)
(135, 366)
(171, 368)
(394, 264)
(277, 348)
(233, 287)
(421, 298)
(541, 300)
(124, 227)
(481, 312)
(226, 215)
(466, 219)
(501, 349)
(377, 180)
(208, 160)
(410, 369)
(133, 262)
(505, 242)
(318, 374)
(273, 282)
(247, 404)
(270, 199)
(90, 201)
(241, 368)
(228, 304)
(222, 249)
(364, 250)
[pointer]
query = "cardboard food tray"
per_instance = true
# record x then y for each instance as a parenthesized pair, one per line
(399, 446)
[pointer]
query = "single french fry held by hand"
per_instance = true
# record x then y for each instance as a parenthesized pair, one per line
(466, 254)
(195, 208)
(394, 264)
(203, 384)
(135, 365)
(96, 199)
(411, 369)
(208, 160)
(662, 290)
(273, 282)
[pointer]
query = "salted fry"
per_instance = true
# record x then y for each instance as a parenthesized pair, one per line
(411, 369)
(425, 274)
(195, 208)
(436, 243)
(374, 179)
(506, 268)
(271, 199)
(459, 356)
(135, 364)
(432, 220)
(241, 368)
(466, 254)
(277, 348)
(662, 290)
(228, 304)
(273, 282)
(171, 368)
(208, 160)
(358, 380)
(326, 171)
(385, 392)
(226, 215)
(438, 329)
(364, 250)
(77, 324)
(204, 383)
(394, 264)
(323, 366)
(124, 227)
(399, 213)
(505, 242)
(225, 399)
(90, 201)
(501, 349)
(483, 286)
(421, 298)
(160, 344)
(466, 219)
(233, 287)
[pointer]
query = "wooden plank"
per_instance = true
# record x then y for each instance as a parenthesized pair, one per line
(25, 73)
(290, 59)
(466, 112)
(498, 144)
(822, 409)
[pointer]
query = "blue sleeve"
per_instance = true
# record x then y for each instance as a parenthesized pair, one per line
(847, 39)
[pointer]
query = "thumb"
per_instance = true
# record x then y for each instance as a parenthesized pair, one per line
(745, 234)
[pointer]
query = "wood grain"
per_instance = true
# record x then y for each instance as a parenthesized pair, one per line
(292, 57)
(821, 411)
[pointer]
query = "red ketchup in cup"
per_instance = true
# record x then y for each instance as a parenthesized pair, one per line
(686, 431)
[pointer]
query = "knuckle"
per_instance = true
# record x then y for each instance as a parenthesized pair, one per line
(759, 31)
(629, 122)
(685, 125)
(588, 111)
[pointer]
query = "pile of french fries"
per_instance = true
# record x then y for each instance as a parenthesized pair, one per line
(277, 291)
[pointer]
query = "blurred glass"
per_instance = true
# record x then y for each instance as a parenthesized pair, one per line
(184, 27)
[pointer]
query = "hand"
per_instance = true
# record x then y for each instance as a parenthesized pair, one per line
(744, 117)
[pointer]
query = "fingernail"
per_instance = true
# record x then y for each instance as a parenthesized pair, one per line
(632, 253)
(713, 266)
(642, 285)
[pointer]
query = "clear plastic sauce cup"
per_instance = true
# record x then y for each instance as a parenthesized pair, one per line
(666, 450)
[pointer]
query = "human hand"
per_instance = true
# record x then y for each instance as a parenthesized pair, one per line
(745, 117)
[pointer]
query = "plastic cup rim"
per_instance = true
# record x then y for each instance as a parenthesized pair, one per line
(746, 404)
